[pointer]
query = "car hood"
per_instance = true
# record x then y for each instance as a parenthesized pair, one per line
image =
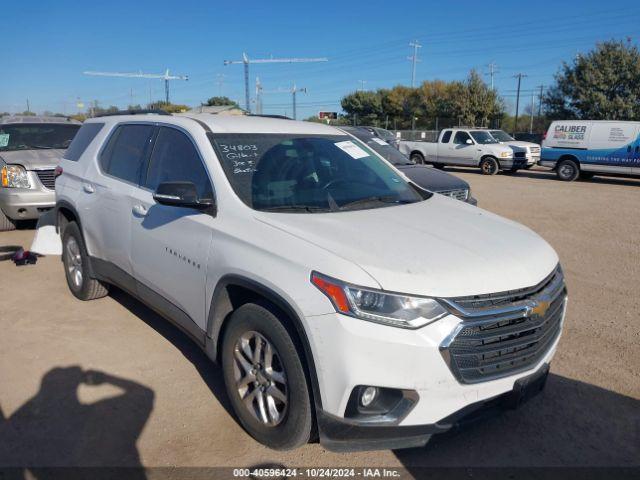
(440, 247)
(522, 144)
(33, 159)
(432, 179)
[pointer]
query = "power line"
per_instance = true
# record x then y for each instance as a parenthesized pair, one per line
(492, 71)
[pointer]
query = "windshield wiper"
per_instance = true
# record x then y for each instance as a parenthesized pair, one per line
(294, 208)
(40, 147)
(374, 199)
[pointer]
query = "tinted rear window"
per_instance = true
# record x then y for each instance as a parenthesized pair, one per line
(126, 151)
(81, 141)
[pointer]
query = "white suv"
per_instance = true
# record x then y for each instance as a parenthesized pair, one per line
(284, 249)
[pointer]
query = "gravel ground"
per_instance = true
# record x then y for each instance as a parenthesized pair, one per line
(108, 382)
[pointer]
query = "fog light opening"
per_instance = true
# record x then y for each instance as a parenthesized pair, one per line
(368, 395)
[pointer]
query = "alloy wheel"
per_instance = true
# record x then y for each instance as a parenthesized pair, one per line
(74, 262)
(260, 378)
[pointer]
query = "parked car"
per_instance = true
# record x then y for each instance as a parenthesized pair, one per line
(582, 148)
(531, 150)
(383, 134)
(425, 177)
(467, 147)
(30, 148)
(281, 249)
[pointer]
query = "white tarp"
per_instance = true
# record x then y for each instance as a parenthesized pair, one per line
(47, 241)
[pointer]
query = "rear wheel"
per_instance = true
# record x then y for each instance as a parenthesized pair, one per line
(489, 166)
(6, 223)
(265, 378)
(417, 157)
(567, 170)
(76, 266)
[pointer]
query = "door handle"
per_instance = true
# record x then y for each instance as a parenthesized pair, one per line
(88, 188)
(140, 210)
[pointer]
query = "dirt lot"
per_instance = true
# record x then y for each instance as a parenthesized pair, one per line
(174, 412)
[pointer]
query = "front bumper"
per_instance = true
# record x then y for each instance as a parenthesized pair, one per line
(364, 353)
(27, 203)
(338, 434)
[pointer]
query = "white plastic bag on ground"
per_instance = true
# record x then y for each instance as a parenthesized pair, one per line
(46, 240)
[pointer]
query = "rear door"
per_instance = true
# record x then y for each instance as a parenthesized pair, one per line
(611, 147)
(106, 211)
(461, 152)
(171, 245)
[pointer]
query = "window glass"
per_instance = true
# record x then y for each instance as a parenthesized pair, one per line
(446, 136)
(483, 137)
(175, 159)
(36, 136)
(309, 173)
(81, 141)
(461, 138)
(127, 149)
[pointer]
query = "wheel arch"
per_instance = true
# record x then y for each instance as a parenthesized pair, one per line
(417, 152)
(66, 213)
(233, 291)
(569, 156)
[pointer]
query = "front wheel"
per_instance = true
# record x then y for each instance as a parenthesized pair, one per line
(265, 378)
(567, 170)
(489, 166)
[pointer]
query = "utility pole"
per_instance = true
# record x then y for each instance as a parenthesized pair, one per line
(246, 61)
(532, 109)
(293, 93)
(362, 83)
(519, 76)
(414, 59)
(540, 101)
(492, 71)
(220, 82)
(162, 76)
(28, 106)
(258, 96)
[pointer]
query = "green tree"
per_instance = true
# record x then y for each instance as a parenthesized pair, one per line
(603, 84)
(363, 106)
(168, 107)
(220, 101)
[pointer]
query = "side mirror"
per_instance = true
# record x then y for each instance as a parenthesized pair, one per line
(181, 194)
(469, 141)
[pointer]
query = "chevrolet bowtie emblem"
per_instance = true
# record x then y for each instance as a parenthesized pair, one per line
(540, 308)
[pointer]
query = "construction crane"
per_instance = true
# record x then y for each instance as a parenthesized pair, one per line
(293, 90)
(246, 61)
(161, 76)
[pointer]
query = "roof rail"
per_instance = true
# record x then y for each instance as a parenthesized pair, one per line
(266, 115)
(134, 112)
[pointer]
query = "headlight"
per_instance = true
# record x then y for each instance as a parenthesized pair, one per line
(14, 176)
(505, 154)
(392, 309)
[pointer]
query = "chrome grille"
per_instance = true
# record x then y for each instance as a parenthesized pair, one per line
(47, 178)
(458, 194)
(505, 333)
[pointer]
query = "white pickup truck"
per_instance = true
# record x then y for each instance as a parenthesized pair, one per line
(467, 147)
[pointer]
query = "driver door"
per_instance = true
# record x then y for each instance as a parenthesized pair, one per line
(462, 149)
(171, 245)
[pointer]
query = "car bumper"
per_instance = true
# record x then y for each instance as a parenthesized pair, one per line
(365, 353)
(26, 203)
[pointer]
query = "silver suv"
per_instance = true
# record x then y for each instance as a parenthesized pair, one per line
(30, 149)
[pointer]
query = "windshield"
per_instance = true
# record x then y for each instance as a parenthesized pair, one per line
(386, 134)
(29, 136)
(308, 173)
(502, 136)
(483, 136)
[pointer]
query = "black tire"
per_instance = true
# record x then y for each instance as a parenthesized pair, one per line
(439, 166)
(417, 158)
(567, 170)
(295, 428)
(86, 288)
(489, 166)
(586, 175)
(6, 224)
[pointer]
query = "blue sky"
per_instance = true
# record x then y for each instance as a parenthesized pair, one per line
(47, 46)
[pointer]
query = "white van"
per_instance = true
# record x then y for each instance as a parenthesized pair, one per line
(582, 148)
